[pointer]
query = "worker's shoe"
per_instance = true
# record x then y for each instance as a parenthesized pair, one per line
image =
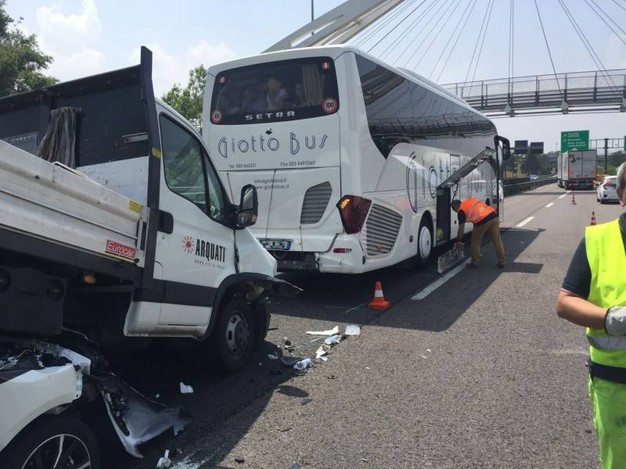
(501, 266)
(471, 265)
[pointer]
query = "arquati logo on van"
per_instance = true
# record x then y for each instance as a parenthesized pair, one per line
(231, 147)
(204, 249)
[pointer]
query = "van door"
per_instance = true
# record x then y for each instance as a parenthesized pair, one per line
(195, 243)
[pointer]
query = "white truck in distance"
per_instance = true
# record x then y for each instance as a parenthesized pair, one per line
(577, 169)
(114, 230)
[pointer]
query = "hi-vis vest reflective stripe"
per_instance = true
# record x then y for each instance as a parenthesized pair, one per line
(607, 260)
(474, 210)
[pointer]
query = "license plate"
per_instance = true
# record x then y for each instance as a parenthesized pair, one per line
(276, 244)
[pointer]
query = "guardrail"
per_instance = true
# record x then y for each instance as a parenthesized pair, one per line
(512, 188)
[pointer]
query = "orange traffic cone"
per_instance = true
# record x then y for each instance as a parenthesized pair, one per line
(379, 302)
(573, 200)
(593, 218)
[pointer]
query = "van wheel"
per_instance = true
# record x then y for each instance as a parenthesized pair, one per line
(424, 243)
(234, 337)
(54, 442)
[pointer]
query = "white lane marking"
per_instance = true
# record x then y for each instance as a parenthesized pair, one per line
(436, 284)
(561, 196)
(550, 205)
(528, 220)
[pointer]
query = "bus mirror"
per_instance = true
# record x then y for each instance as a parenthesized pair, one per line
(248, 206)
(504, 146)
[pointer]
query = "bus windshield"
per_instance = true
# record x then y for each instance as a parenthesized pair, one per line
(276, 91)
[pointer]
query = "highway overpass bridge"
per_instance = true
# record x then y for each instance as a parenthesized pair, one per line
(593, 91)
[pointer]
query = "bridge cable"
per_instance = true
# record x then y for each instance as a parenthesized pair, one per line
(605, 22)
(545, 38)
(457, 39)
(511, 69)
(454, 32)
(480, 50)
(621, 6)
(482, 26)
(388, 19)
(446, 4)
(441, 28)
(422, 16)
(411, 27)
(377, 26)
(594, 56)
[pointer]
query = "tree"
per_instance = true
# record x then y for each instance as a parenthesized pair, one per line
(188, 101)
(21, 61)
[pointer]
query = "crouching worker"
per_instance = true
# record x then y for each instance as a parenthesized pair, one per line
(485, 220)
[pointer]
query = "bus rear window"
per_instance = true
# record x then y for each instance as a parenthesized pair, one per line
(276, 91)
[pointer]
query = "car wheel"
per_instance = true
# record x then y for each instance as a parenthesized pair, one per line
(64, 442)
(233, 339)
(424, 243)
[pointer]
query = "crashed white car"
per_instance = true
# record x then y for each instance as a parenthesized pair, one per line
(41, 387)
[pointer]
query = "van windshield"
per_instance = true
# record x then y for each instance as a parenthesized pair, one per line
(277, 91)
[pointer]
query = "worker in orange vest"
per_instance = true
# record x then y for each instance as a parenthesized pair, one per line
(485, 220)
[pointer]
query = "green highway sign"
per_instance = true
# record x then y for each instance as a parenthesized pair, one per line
(575, 140)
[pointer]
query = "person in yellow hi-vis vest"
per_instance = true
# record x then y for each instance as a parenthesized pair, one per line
(593, 295)
(485, 220)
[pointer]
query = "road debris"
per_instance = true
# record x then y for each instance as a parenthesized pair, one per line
(164, 461)
(333, 331)
(289, 361)
(185, 388)
(333, 339)
(353, 329)
(303, 365)
(322, 350)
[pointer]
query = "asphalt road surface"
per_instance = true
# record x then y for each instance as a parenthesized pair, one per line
(478, 373)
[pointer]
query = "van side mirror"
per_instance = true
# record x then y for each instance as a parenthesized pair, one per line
(503, 146)
(248, 206)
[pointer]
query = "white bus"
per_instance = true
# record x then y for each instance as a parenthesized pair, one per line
(353, 159)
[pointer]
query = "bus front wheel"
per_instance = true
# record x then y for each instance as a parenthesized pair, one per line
(424, 243)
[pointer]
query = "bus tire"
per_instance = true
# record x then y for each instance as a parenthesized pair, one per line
(43, 441)
(424, 243)
(233, 339)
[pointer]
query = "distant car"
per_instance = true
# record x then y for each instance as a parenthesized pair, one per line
(606, 190)
(533, 177)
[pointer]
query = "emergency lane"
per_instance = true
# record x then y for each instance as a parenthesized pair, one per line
(428, 346)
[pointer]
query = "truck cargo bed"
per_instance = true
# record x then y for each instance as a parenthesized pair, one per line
(55, 203)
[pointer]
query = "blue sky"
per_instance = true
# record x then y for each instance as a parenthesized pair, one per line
(91, 36)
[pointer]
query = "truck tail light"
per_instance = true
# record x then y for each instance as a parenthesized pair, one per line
(353, 211)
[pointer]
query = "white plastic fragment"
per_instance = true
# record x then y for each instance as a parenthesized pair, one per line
(185, 388)
(333, 331)
(164, 461)
(353, 329)
(321, 351)
(302, 365)
(333, 339)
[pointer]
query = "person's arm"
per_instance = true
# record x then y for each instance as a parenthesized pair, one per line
(579, 311)
(461, 232)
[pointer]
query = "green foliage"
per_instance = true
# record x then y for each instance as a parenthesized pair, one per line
(21, 61)
(188, 101)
